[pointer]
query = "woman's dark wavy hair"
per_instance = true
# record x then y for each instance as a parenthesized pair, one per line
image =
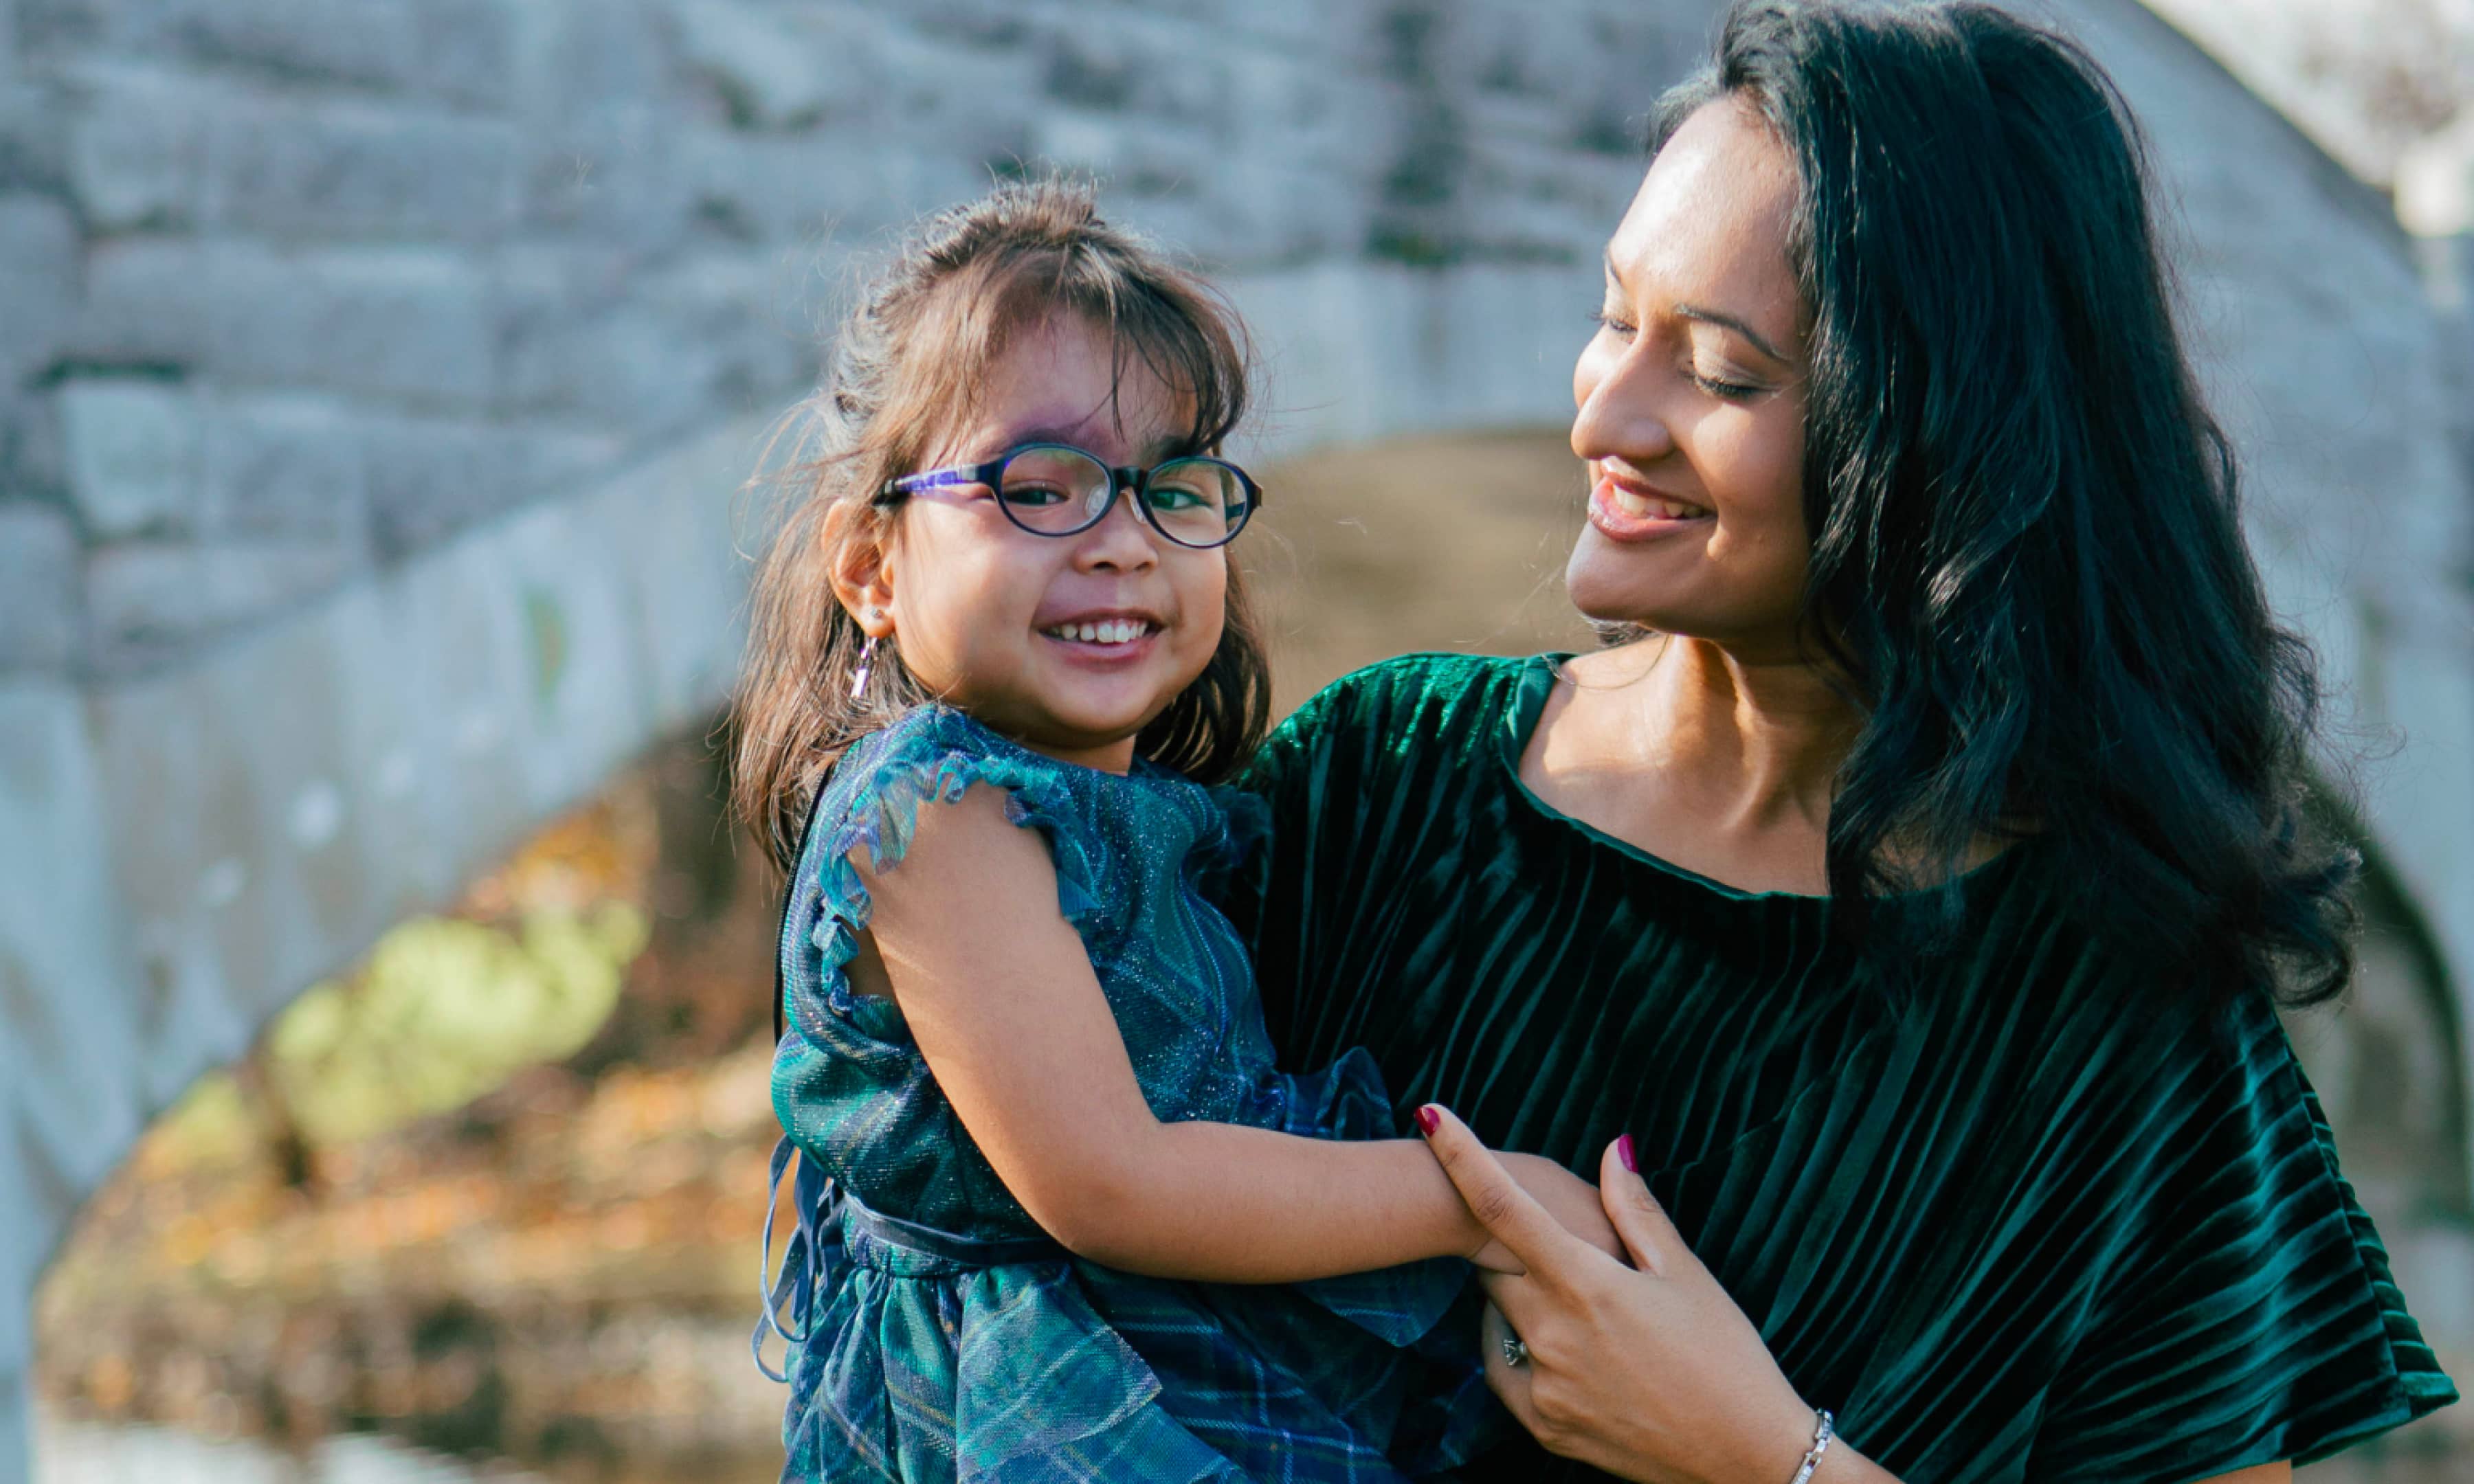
(2028, 552)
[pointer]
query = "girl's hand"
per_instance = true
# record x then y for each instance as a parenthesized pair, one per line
(1651, 1374)
(1573, 1201)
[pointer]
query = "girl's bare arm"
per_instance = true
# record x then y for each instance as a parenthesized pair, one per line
(1001, 997)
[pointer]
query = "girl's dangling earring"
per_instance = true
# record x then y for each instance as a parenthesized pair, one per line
(866, 662)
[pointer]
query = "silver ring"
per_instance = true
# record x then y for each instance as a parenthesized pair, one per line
(1516, 1350)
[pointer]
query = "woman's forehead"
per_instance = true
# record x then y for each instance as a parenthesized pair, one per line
(1710, 220)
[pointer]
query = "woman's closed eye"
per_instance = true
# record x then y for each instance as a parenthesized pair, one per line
(1725, 384)
(1722, 387)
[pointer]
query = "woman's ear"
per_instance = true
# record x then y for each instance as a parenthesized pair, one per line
(863, 580)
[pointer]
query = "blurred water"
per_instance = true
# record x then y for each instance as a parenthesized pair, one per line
(70, 1452)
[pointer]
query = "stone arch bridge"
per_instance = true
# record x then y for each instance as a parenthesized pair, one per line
(373, 392)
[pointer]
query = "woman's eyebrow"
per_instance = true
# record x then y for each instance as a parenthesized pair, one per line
(1704, 316)
(1701, 316)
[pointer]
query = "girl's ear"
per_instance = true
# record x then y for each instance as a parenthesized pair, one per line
(862, 581)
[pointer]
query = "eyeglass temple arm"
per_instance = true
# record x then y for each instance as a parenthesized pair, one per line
(937, 478)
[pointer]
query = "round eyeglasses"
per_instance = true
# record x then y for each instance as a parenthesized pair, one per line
(1059, 490)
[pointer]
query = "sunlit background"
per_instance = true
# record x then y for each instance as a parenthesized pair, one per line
(386, 998)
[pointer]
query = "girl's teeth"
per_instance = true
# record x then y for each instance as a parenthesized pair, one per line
(1115, 631)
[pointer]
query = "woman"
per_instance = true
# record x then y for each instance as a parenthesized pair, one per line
(1912, 882)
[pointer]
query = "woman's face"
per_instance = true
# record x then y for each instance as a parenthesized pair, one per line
(992, 616)
(1691, 399)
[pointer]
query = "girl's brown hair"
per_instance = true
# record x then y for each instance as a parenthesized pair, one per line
(909, 362)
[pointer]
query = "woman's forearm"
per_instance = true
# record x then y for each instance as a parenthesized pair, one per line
(1223, 1203)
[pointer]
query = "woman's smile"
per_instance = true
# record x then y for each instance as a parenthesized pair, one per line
(1624, 509)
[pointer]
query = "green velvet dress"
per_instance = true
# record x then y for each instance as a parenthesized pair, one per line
(2019, 1211)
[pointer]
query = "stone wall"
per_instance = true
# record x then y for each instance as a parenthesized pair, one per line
(298, 291)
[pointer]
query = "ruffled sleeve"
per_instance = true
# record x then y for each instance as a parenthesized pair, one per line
(851, 1057)
(2245, 1313)
(934, 755)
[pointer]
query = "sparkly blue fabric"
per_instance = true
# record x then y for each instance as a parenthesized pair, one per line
(916, 1361)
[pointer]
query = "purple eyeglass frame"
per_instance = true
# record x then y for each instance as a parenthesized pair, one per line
(1133, 478)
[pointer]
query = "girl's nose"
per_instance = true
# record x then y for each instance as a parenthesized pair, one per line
(1119, 543)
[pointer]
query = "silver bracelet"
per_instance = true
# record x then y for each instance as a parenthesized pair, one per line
(1824, 1428)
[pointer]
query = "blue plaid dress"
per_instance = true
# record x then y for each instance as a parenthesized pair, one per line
(935, 1332)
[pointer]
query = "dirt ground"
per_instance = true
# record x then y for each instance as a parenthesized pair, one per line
(1454, 542)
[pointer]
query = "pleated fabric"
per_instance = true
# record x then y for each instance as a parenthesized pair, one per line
(2023, 1209)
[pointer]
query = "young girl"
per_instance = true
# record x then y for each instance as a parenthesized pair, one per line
(1025, 1069)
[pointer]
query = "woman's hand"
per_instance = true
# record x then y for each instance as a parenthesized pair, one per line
(1573, 1201)
(1651, 1374)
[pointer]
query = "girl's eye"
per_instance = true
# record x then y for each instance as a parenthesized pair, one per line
(1032, 495)
(1172, 497)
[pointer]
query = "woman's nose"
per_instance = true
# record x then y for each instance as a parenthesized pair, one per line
(1621, 413)
(1120, 541)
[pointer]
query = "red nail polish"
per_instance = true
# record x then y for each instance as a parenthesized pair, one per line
(1427, 1122)
(1623, 1152)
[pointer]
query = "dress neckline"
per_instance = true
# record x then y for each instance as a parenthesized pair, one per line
(1536, 683)
(1139, 768)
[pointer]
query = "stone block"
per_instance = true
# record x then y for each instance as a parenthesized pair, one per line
(285, 467)
(150, 602)
(791, 190)
(39, 283)
(131, 451)
(918, 73)
(464, 51)
(47, 27)
(32, 464)
(989, 25)
(39, 589)
(312, 171)
(763, 74)
(609, 175)
(580, 57)
(34, 137)
(144, 304)
(136, 145)
(716, 335)
(430, 479)
(411, 325)
(287, 41)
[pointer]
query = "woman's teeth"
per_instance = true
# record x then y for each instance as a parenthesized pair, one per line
(1114, 631)
(1642, 507)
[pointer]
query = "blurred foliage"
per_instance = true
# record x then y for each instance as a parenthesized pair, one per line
(493, 1189)
(444, 1008)
(444, 1012)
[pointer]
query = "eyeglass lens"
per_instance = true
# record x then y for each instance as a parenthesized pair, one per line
(1056, 492)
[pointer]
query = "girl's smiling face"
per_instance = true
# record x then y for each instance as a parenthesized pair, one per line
(987, 615)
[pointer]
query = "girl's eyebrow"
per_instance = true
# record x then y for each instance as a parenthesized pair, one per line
(1167, 445)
